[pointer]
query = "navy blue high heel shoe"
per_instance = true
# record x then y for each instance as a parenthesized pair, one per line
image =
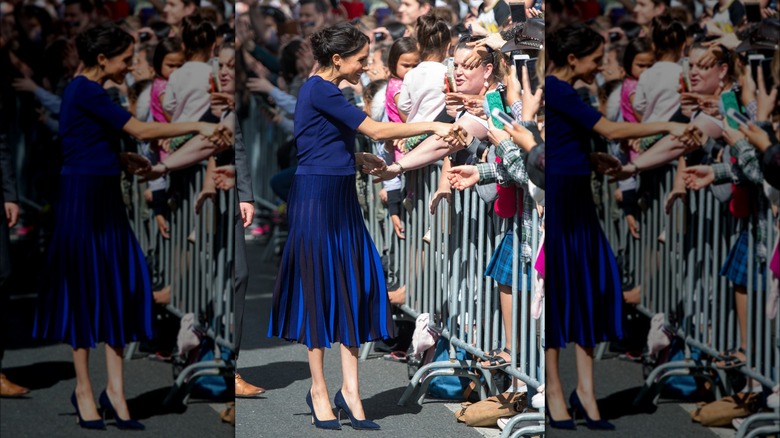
(562, 424)
(327, 424)
(341, 404)
(576, 405)
(109, 410)
(92, 424)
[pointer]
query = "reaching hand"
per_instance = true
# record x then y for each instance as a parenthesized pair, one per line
(25, 84)
(223, 100)
(698, 177)
(259, 85)
(463, 177)
(521, 136)
(532, 99)
(474, 59)
(136, 164)
(373, 165)
(398, 226)
(605, 163)
(765, 100)
(677, 129)
(756, 136)
(496, 135)
(225, 177)
(732, 136)
(633, 226)
(437, 197)
(202, 197)
(674, 196)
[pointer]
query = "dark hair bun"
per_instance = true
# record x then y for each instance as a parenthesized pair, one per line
(343, 39)
(107, 39)
(576, 39)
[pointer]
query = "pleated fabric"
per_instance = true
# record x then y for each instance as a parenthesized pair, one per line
(331, 286)
(584, 300)
(96, 286)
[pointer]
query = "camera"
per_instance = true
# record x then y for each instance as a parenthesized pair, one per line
(379, 36)
(144, 36)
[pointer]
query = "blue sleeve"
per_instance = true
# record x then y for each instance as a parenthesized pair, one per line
(97, 103)
(49, 101)
(283, 100)
(332, 103)
(563, 99)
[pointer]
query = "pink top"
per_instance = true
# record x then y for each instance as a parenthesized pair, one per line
(158, 88)
(539, 266)
(393, 88)
(774, 265)
(629, 87)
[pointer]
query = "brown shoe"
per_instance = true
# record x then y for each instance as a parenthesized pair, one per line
(10, 389)
(246, 390)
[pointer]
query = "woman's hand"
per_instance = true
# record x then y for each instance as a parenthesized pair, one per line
(398, 226)
(496, 135)
(453, 134)
(162, 225)
(521, 136)
(153, 173)
(135, 163)
(440, 194)
(698, 177)
(677, 194)
(732, 136)
(532, 99)
(206, 193)
(605, 163)
(259, 85)
(475, 57)
(677, 129)
(765, 100)
(223, 101)
(463, 177)
(756, 136)
(370, 163)
(225, 177)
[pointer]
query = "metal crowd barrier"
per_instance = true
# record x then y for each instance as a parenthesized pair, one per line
(197, 263)
(445, 278)
(677, 262)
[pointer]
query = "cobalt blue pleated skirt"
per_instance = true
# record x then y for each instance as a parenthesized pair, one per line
(330, 287)
(96, 284)
(583, 296)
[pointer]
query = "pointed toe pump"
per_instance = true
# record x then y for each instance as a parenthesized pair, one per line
(326, 424)
(560, 424)
(341, 405)
(92, 424)
(109, 410)
(576, 405)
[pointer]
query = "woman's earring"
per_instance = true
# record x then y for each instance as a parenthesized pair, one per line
(487, 84)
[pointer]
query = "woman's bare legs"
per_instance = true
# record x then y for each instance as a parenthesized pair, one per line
(505, 297)
(552, 389)
(115, 387)
(350, 388)
(319, 390)
(585, 381)
(84, 395)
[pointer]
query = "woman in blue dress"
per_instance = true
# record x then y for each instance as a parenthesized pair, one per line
(583, 290)
(331, 287)
(96, 286)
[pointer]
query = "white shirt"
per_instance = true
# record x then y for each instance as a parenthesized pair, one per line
(657, 96)
(187, 95)
(422, 92)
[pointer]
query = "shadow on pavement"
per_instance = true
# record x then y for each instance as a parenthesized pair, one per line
(621, 404)
(276, 375)
(385, 404)
(41, 375)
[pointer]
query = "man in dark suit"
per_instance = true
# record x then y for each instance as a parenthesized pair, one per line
(246, 206)
(10, 205)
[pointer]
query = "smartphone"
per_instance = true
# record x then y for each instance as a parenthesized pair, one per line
(519, 60)
(753, 11)
(493, 100)
(769, 79)
(686, 75)
(518, 12)
(728, 101)
(533, 78)
(754, 61)
(451, 86)
(500, 115)
(737, 116)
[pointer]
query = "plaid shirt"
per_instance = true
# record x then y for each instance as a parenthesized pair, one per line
(512, 170)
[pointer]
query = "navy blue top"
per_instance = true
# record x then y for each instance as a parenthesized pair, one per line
(570, 123)
(90, 127)
(325, 127)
